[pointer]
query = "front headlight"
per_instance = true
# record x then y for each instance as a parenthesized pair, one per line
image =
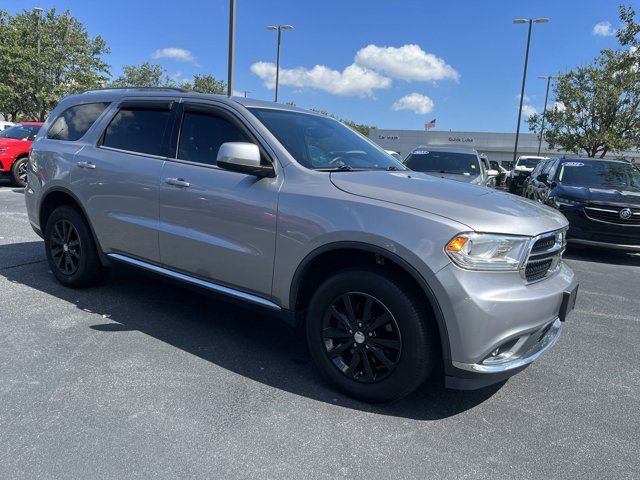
(565, 202)
(488, 251)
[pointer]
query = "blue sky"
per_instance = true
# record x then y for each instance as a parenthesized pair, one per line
(467, 63)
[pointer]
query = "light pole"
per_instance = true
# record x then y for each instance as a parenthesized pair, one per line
(232, 32)
(524, 74)
(279, 29)
(245, 93)
(548, 78)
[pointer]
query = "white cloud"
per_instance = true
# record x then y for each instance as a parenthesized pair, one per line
(179, 54)
(603, 29)
(353, 80)
(559, 106)
(373, 68)
(415, 102)
(408, 62)
(528, 110)
(526, 97)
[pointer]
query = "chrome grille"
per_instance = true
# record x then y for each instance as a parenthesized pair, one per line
(545, 255)
(612, 214)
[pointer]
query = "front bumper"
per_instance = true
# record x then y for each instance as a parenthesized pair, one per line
(492, 311)
(532, 346)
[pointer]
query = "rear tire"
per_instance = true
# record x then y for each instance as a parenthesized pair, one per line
(19, 172)
(379, 349)
(71, 250)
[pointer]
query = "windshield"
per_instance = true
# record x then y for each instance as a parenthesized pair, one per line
(321, 143)
(596, 174)
(443, 162)
(21, 132)
(527, 162)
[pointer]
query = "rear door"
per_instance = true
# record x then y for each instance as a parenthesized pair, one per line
(216, 224)
(118, 179)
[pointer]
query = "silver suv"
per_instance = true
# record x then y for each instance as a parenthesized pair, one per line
(395, 275)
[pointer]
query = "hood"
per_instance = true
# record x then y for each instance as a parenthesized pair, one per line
(612, 195)
(479, 208)
(459, 177)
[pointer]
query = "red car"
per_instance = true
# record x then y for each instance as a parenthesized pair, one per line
(15, 143)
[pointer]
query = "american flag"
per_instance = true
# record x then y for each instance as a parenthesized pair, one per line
(431, 124)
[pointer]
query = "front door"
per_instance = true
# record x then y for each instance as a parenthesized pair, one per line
(216, 224)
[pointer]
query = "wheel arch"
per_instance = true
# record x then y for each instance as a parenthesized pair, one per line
(355, 254)
(58, 196)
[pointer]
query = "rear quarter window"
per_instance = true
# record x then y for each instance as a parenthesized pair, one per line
(75, 121)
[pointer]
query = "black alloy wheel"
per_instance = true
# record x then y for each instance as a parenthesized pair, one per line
(361, 337)
(65, 247)
(22, 172)
(19, 172)
(71, 250)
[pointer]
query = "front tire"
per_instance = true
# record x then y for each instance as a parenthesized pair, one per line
(19, 172)
(369, 337)
(71, 250)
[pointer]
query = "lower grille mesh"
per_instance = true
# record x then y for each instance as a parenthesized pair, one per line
(537, 270)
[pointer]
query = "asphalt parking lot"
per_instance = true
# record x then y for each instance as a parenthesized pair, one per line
(138, 378)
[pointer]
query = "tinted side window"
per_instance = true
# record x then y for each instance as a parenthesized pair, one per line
(137, 130)
(74, 122)
(202, 134)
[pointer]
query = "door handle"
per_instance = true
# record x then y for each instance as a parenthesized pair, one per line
(177, 182)
(86, 165)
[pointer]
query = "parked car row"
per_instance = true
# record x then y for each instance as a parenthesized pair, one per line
(395, 275)
(600, 198)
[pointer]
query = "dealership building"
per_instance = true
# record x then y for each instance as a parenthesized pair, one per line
(497, 146)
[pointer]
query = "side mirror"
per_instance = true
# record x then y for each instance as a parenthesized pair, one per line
(243, 157)
(493, 173)
(543, 177)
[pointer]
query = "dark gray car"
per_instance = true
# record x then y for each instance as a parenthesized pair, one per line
(455, 163)
(394, 274)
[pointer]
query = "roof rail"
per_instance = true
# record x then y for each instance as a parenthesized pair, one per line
(172, 89)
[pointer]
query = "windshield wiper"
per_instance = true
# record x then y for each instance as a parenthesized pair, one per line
(455, 172)
(341, 168)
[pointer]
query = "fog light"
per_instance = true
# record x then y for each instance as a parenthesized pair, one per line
(504, 352)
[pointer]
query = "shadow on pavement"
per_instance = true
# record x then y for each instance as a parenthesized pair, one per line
(245, 341)
(600, 255)
(5, 184)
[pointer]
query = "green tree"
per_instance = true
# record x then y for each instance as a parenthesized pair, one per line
(68, 60)
(206, 83)
(598, 106)
(358, 127)
(144, 75)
